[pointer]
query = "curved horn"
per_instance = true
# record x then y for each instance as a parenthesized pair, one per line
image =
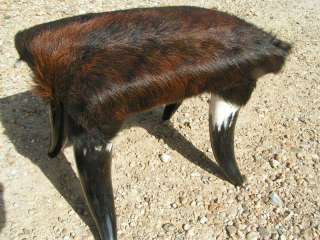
(169, 110)
(56, 118)
(93, 158)
(222, 121)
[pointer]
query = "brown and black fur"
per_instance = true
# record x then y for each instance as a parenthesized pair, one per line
(97, 69)
(106, 66)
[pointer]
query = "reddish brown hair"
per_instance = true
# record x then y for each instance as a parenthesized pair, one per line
(108, 65)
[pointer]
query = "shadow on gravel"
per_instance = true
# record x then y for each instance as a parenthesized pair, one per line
(2, 209)
(151, 121)
(25, 120)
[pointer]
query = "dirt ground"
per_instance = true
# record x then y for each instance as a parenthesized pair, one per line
(277, 145)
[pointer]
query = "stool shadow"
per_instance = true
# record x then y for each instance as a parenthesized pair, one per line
(25, 120)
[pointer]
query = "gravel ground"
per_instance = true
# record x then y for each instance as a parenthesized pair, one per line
(175, 197)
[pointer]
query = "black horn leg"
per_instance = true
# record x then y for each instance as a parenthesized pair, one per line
(93, 158)
(57, 136)
(222, 121)
(169, 110)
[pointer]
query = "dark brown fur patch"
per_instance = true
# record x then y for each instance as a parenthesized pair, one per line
(105, 66)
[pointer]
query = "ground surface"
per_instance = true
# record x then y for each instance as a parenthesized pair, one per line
(277, 146)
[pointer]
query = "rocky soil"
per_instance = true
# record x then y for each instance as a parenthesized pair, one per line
(177, 196)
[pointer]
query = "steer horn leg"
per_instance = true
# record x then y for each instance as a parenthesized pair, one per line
(56, 117)
(169, 110)
(93, 159)
(222, 121)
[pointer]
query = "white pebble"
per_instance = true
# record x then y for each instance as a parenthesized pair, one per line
(174, 205)
(165, 158)
(274, 163)
(203, 220)
(195, 174)
(315, 157)
(252, 236)
(276, 200)
(190, 233)
(186, 227)
(168, 227)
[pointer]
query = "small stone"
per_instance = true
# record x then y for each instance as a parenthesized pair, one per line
(300, 155)
(203, 220)
(168, 227)
(165, 158)
(132, 224)
(180, 237)
(276, 200)
(187, 123)
(190, 233)
(186, 227)
(241, 227)
(183, 200)
(282, 237)
(274, 236)
(239, 198)
(274, 163)
(200, 203)
(307, 234)
(195, 174)
(315, 157)
(25, 231)
(252, 236)
(205, 179)
(263, 232)
(174, 205)
(231, 230)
